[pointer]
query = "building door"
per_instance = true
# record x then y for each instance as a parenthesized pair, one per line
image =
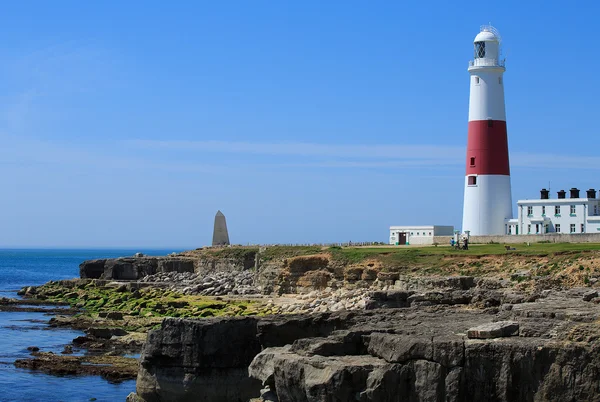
(402, 238)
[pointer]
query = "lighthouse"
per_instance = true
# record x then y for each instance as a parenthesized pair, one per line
(487, 202)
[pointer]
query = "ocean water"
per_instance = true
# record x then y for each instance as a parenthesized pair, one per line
(19, 268)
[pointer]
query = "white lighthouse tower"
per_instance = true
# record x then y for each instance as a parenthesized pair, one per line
(487, 201)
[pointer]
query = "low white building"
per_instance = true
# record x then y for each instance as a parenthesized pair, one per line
(557, 215)
(402, 235)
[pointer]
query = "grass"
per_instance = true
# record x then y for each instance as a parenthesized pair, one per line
(443, 259)
(275, 252)
(535, 249)
(242, 253)
(238, 253)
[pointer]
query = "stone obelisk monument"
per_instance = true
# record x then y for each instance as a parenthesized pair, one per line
(220, 235)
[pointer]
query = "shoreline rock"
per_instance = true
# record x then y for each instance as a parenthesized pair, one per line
(390, 354)
(112, 368)
(344, 329)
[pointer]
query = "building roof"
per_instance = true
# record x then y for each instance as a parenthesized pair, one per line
(557, 201)
(419, 227)
(411, 227)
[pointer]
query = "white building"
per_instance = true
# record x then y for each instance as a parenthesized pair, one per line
(401, 235)
(557, 215)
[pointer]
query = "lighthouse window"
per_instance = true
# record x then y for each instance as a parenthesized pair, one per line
(490, 123)
(479, 50)
(477, 80)
(472, 161)
(472, 180)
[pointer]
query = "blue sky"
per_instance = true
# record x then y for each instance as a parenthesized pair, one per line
(132, 123)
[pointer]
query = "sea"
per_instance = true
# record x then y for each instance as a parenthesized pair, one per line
(18, 331)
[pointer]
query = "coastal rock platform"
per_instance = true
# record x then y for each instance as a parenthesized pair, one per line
(419, 353)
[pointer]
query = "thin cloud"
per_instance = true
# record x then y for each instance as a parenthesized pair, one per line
(416, 163)
(366, 156)
(307, 149)
(552, 161)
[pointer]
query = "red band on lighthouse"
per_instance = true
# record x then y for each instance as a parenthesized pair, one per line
(487, 148)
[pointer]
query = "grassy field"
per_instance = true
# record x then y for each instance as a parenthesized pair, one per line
(474, 249)
(408, 254)
(573, 264)
(478, 260)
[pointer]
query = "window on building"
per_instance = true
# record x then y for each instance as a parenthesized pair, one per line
(472, 161)
(500, 80)
(543, 210)
(472, 180)
(582, 228)
(557, 228)
(528, 229)
(573, 209)
(529, 211)
(557, 210)
(411, 233)
(572, 228)
(537, 228)
(509, 229)
(546, 228)
(490, 123)
(477, 80)
(479, 50)
(429, 233)
(417, 233)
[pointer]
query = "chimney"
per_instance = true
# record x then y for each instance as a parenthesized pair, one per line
(544, 194)
(561, 194)
(591, 193)
(574, 192)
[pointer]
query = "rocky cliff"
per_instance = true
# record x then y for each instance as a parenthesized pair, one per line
(133, 268)
(381, 324)
(428, 349)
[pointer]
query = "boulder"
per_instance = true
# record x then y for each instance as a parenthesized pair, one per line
(491, 330)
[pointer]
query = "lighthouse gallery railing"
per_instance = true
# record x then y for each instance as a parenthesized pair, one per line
(486, 62)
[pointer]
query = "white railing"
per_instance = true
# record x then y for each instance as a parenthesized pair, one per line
(487, 63)
(341, 244)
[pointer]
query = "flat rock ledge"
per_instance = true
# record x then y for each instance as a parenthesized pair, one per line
(545, 349)
(113, 368)
(494, 330)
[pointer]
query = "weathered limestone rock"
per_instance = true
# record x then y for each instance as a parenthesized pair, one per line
(191, 360)
(590, 295)
(130, 268)
(494, 330)
(410, 353)
(92, 269)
